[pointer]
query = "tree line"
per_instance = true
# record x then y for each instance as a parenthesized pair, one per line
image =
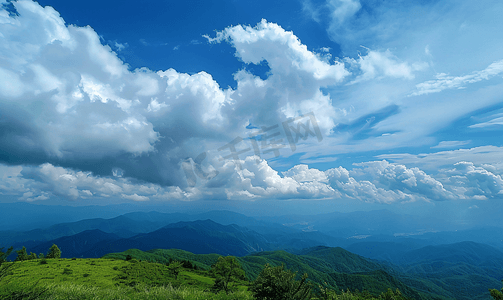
(53, 252)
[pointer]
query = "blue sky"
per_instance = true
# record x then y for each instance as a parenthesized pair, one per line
(346, 104)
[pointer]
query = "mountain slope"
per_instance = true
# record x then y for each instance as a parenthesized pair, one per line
(76, 245)
(199, 237)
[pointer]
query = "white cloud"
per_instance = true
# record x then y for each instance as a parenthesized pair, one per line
(491, 155)
(400, 178)
(253, 44)
(494, 122)
(474, 182)
(451, 144)
(383, 64)
(341, 10)
(120, 46)
(77, 104)
(135, 197)
(444, 81)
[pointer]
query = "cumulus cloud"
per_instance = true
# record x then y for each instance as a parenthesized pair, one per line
(78, 123)
(474, 182)
(372, 182)
(409, 180)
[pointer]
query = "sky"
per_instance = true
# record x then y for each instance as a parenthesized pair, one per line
(316, 105)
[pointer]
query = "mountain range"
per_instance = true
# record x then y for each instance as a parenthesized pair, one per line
(330, 248)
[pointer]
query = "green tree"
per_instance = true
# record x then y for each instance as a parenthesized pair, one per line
(32, 256)
(54, 252)
(226, 271)
(175, 267)
(276, 283)
(497, 295)
(22, 254)
(390, 295)
(4, 255)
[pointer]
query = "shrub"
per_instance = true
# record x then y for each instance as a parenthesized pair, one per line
(54, 252)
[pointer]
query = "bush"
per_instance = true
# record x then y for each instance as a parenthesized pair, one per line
(43, 261)
(54, 252)
(276, 283)
(67, 271)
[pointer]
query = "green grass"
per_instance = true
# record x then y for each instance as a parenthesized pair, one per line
(110, 279)
(82, 292)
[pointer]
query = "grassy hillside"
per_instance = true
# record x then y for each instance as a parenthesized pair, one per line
(110, 279)
(333, 267)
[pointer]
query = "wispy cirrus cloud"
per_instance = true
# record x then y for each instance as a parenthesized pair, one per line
(445, 82)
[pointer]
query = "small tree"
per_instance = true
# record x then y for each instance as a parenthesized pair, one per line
(32, 256)
(276, 283)
(390, 295)
(227, 270)
(497, 295)
(175, 267)
(22, 254)
(4, 255)
(54, 252)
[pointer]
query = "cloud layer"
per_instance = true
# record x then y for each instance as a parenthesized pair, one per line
(77, 123)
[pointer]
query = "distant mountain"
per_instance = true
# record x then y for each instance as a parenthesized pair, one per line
(131, 224)
(76, 245)
(121, 225)
(199, 237)
(22, 216)
(464, 269)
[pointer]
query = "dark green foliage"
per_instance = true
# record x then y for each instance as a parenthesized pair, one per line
(32, 256)
(390, 295)
(497, 295)
(22, 254)
(175, 267)
(328, 294)
(67, 271)
(187, 264)
(372, 282)
(41, 255)
(227, 270)
(129, 257)
(276, 283)
(4, 255)
(54, 252)
(320, 264)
